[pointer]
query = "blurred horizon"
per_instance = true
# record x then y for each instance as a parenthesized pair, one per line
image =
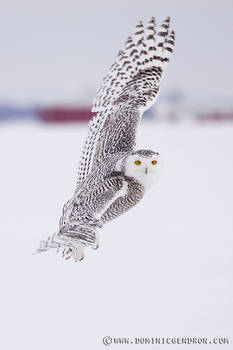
(57, 53)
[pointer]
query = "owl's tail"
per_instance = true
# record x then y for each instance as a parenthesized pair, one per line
(71, 239)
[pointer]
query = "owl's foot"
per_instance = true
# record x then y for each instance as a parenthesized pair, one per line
(78, 253)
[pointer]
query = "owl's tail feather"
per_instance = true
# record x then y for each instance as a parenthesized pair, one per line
(72, 239)
(68, 250)
(55, 241)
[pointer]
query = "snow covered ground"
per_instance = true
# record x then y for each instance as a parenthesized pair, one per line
(164, 269)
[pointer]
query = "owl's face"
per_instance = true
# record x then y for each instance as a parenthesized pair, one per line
(143, 165)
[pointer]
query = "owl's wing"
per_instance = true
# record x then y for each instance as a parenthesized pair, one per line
(130, 87)
(133, 194)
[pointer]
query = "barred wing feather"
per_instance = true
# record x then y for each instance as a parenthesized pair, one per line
(130, 87)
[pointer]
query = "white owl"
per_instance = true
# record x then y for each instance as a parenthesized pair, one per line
(112, 175)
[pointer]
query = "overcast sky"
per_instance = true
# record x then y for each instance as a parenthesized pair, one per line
(57, 51)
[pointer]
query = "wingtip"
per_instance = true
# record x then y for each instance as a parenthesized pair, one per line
(139, 24)
(173, 35)
(128, 40)
(139, 29)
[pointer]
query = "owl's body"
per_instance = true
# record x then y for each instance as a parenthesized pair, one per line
(112, 176)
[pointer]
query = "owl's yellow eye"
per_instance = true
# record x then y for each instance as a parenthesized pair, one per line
(153, 162)
(138, 162)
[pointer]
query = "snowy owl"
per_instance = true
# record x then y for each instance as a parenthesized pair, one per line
(112, 175)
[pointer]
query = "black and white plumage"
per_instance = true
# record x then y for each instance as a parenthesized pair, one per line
(112, 176)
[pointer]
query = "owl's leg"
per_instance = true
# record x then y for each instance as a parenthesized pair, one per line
(78, 253)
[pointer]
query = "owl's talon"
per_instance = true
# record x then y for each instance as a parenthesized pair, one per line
(78, 253)
(97, 241)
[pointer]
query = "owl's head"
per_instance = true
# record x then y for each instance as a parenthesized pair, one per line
(143, 165)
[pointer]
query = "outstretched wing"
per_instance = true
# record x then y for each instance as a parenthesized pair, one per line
(130, 87)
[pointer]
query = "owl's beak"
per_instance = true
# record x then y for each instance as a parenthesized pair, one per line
(146, 170)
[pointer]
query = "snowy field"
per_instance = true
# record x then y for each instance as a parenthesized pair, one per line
(164, 269)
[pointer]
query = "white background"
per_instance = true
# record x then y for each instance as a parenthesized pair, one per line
(162, 269)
